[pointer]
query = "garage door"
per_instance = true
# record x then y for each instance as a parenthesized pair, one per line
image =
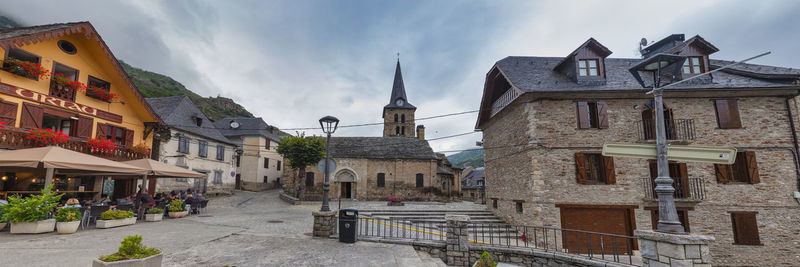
(608, 220)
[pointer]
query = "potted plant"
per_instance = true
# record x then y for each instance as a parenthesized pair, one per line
(46, 137)
(100, 93)
(154, 214)
(100, 145)
(132, 253)
(30, 215)
(114, 218)
(141, 148)
(68, 220)
(485, 261)
(177, 209)
(65, 83)
(396, 201)
(25, 69)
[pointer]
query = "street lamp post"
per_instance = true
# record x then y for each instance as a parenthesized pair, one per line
(328, 125)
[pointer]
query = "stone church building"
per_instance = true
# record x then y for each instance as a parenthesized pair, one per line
(400, 163)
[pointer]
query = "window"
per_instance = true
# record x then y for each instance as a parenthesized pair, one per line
(116, 134)
(267, 145)
(693, 65)
(519, 206)
(588, 67)
(309, 179)
(403, 118)
(202, 150)
(266, 179)
(198, 121)
(743, 170)
(683, 217)
(728, 114)
(381, 180)
(593, 168)
(279, 165)
(420, 180)
(403, 131)
(67, 47)
(745, 228)
(592, 115)
(95, 82)
(59, 90)
(183, 144)
(494, 203)
(266, 163)
(22, 55)
(395, 117)
(217, 177)
(220, 152)
(397, 130)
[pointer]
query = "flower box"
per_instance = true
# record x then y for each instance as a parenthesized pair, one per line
(67, 227)
(152, 261)
(43, 226)
(115, 223)
(178, 214)
(2, 225)
(25, 69)
(100, 94)
(153, 217)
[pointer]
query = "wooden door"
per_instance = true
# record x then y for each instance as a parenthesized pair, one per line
(618, 221)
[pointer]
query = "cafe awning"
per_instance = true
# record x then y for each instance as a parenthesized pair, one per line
(159, 169)
(53, 157)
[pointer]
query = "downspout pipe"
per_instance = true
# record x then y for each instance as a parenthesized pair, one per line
(794, 136)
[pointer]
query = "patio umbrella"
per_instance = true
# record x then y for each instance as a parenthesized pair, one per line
(157, 169)
(53, 157)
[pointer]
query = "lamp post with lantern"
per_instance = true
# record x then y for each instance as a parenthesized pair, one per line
(328, 125)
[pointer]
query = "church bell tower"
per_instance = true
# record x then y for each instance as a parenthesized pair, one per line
(398, 115)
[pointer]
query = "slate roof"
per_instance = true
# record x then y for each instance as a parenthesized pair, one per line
(381, 148)
(179, 112)
(23, 31)
(440, 170)
(474, 176)
(398, 91)
(247, 126)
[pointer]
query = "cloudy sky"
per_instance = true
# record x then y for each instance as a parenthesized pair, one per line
(292, 62)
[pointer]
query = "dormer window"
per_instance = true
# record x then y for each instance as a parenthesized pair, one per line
(693, 65)
(198, 121)
(588, 67)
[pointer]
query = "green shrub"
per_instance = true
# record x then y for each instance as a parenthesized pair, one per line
(69, 215)
(177, 205)
(486, 260)
(155, 211)
(131, 248)
(2, 213)
(32, 208)
(116, 214)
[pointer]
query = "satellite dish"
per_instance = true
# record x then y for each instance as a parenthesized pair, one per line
(643, 42)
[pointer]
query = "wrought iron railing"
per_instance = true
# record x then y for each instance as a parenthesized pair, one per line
(676, 129)
(61, 91)
(394, 228)
(685, 188)
(504, 100)
(15, 138)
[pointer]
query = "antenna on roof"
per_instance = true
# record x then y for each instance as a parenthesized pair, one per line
(642, 44)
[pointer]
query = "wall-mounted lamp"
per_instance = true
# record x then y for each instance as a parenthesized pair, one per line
(4, 178)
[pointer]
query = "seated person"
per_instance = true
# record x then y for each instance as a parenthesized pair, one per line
(189, 201)
(72, 203)
(125, 201)
(200, 197)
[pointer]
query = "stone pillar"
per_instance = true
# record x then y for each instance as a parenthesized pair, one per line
(457, 240)
(324, 223)
(664, 249)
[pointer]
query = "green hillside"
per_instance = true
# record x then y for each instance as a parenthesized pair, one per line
(469, 158)
(6, 22)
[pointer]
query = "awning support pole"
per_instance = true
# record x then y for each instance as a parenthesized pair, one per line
(48, 178)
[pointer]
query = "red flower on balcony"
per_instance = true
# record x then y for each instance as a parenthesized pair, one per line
(25, 68)
(46, 137)
(101, 93)
(141, 148)
(101, 145)
(66, 83)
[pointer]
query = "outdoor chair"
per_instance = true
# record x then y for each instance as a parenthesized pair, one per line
(195, 205)
(203, 205)
(84, 216)
(95, 212)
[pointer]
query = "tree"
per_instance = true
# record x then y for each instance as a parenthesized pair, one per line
(301, 151)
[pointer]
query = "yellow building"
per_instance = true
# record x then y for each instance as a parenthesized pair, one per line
(68, 51)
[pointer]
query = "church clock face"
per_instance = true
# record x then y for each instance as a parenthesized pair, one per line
(399, 102)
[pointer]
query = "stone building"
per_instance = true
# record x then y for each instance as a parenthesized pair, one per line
(401, 163)
(473, 185)
(194, 143)
(258, 166)
(548, 118)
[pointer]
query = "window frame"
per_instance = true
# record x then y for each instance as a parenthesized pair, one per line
(518, 206)
(604, 167)
(592, 114)
(730, 107)
(420, 180)
(278, 166)
(494, 203)
(587, 67)
(202, 148)
(744, 170)
(310, 178)
(183, 144)
(380, 179)
(266, 163)
(217, 177)
(737, 218)
(220, 152)
(38, 58)
(690, 66)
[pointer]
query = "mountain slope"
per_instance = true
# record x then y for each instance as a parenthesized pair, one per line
(469, 158)
(7, 22)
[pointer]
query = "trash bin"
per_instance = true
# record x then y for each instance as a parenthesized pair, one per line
(348, 220)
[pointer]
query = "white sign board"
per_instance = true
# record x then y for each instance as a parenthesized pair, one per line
(705, 154)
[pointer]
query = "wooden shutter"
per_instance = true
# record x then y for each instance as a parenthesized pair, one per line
(733, 112)
(101, 131)
(683, 175)
(580, 168)
(8, 113)
(723, 173)
(583, 115)
(128, 137)
(31, 116)
(611, 176)
(752, 167)
(602, 116)
(85, 125)
(723, 118)
(745, 228)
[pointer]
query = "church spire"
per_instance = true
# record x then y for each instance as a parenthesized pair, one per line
(398, 91)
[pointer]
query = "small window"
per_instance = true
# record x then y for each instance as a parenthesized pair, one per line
(267, 145)
(728, 114)
(403, 118)
(95, 82)
(494, 203)
(519, 206)
(183, 144)
(381, 180)
(220, 152)
(21, 55)
(395, 117)
(420, 180)
(588, 67)
(266, 163)
(266, 179)
(309, 179)
(217, 177)
(202, 148)
(67, 47)
(594, 168)
(743, 170)
(745, 228)
(116, 134)
(592, 115)
(279, 165)
(403, 131)
(397, 130)
(693, 65)
(198, 121)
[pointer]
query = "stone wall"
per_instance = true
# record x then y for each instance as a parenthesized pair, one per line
(543, 173)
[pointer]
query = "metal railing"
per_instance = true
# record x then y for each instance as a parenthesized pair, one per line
(395, 228)
(677, 129)
(16, 138)
(592, 245)
(685, 188)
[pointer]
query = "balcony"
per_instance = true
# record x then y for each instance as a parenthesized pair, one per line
(677, 129)
(686, 189)
(14, 138)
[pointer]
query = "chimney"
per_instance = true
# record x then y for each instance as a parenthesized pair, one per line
(421, 132)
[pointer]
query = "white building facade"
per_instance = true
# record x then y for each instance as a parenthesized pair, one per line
(259, 166)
